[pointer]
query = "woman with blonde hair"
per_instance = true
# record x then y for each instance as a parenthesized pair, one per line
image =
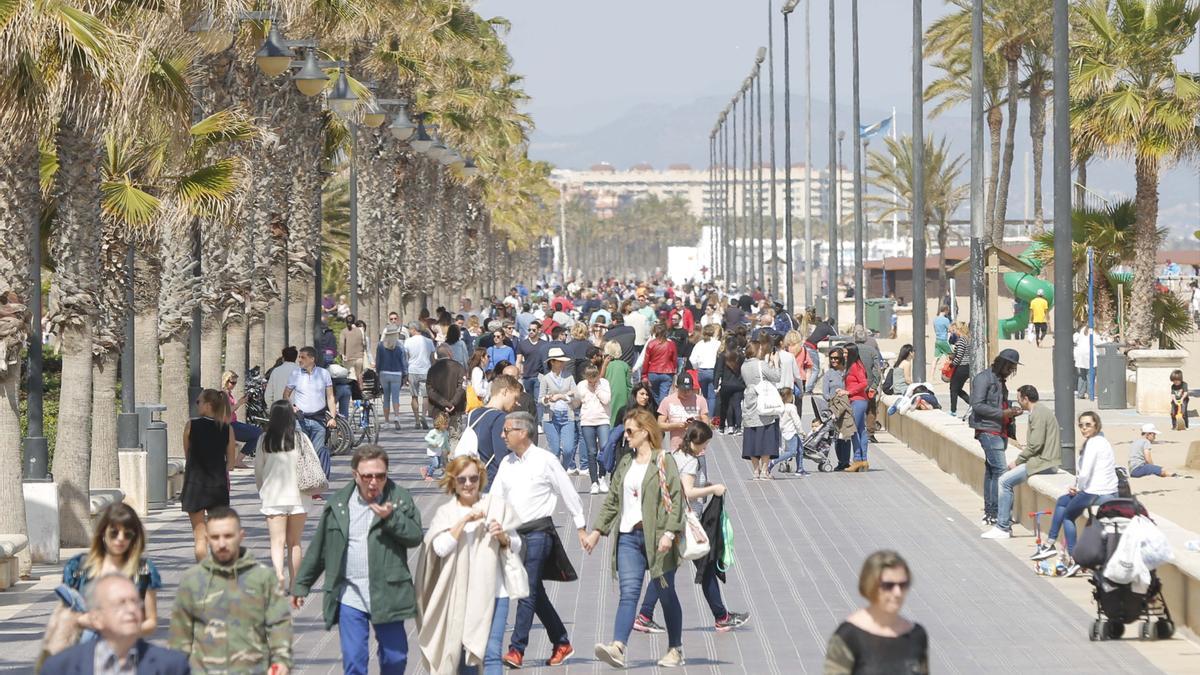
(210, 452)
(246, 434)
(462, 596)
(876, 638)
(960, 359)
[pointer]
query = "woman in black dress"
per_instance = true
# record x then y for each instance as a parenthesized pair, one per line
(210, 452)
(876, 640)
(727, 378)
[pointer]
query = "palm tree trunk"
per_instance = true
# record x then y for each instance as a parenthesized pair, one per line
(212, 337)
(145, 345)
(1146, 235)
(104, 472)
(235, 351)
(297, 311)
(12, 496)
(277, 316)
(175, 395)
(1010, 140)
(943, 235)
(72, 451)
(258, 356)
(995, 122)
(1037, 135)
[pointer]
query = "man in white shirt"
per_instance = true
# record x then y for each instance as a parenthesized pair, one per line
(641, 326)
(532, 481)
(278, 380)
(310, 391)
(419, 348)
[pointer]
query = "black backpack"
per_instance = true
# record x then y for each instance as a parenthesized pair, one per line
(887, 382)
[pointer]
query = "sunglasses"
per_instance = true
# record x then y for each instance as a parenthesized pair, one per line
(893, 585)
(114, 534)
(371, 476)
(1086, 425)
(507, 430)
(468, 480)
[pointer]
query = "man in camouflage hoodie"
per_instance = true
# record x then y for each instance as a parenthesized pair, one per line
(231, 614)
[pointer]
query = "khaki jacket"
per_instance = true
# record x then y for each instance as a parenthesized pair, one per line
(655, 518)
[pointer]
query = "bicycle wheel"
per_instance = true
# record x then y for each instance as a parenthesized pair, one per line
(372, 422)
(341, 439)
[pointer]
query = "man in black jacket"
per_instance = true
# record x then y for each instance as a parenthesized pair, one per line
(445, 386)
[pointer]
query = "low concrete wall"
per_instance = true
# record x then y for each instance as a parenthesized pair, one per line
(10, 568)
(951, 443)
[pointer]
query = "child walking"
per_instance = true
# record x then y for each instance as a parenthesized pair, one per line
(437, 446)
(1179, 401)
(793, 439)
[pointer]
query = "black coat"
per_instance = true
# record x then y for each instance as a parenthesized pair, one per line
(711, 520)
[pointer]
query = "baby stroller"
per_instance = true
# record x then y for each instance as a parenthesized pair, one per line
(817, 445)
(1119, 604)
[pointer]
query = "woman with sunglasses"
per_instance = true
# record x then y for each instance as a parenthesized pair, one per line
(210, 452)
(464, 548)
(1095, 482)
(876, 638)
(117, 547)
(246, 434)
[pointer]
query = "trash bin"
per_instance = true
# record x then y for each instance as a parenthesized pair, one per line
(154, 442)
(1110, 377)
(878, 315)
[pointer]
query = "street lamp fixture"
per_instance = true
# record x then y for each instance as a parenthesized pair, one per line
(436, 149)
(343, 99)
(422, 143)
(274, 57)
(311, 78)
(790, 6)
(374, 117)
(401, 127)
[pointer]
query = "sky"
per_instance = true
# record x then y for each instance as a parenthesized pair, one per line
(587, 64)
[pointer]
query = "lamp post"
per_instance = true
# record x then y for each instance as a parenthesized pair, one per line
(775, 290)
(918, 197)
(733, 135)
(758, 181)
(1064, 402)
(810, 262)
(36, 466)
(831, 292)
(859, 288)
(979, 323)
(789, 286)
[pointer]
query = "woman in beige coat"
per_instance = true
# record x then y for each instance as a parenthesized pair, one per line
(460, 574)
(276, 475)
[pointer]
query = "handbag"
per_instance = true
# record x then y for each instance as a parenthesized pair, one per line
(516, 579)
(769, 402)
(1090, 550)
(947, 369)
(310, 477)
(694, 544)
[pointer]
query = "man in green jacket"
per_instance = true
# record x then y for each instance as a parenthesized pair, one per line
(361, 545)
(231, 614)
(1042, 454)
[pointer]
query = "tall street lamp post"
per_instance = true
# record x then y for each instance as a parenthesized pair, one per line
(918, 196)
(832, 217)
(789, 286)
(859, 289)
(810, 262)
(758, 182)
(1064, 401)
(775, 290)
(979, 322)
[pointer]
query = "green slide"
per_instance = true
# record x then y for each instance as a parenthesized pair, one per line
(1024, 288)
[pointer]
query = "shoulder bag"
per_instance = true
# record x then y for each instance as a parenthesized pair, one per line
(310, 477)
(769, 403)
(694, 543)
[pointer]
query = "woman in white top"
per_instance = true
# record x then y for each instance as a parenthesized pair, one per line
(462, 600)
(704, 360)
(1096, 482)
(595, 395)
(275, 474)
(479, 377)
(1084, 358)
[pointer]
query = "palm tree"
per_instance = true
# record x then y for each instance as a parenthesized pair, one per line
(892, 172)
(1130, 99)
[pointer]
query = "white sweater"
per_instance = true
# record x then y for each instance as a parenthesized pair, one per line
(275, 474)
(1098, 469)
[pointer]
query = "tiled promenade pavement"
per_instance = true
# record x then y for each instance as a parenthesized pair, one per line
(799, 543)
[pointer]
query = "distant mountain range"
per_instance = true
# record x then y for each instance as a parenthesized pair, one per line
(661, 135)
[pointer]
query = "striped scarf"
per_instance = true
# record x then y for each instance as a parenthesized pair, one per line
(662, 481)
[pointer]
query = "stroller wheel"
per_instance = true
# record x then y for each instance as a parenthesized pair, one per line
(1115, 630)
(1164, 628)
(1098, 630)
(825, 467)
(1146, 633)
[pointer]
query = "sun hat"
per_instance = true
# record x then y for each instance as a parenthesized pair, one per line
(1150, 429)
(556, 354)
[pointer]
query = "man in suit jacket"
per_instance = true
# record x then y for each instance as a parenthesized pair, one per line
(116, 613)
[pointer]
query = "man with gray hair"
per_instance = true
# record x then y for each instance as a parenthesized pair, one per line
(532, 481)
(418, 350)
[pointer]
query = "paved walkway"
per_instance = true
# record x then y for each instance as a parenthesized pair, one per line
(799, 543)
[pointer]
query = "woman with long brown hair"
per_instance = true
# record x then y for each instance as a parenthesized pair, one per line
(210, 453)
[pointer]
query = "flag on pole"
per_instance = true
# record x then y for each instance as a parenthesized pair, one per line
(873, 130)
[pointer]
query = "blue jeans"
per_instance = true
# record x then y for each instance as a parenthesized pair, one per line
(993, 467)
(791, 450)
(1008, 482)
(661, 384)
(435, 463)
(492, 665)
(1066, 510)
(594, 438)
(537, 549)
(248, 434)
(709, 585)
(391, 383)
(342, 394)
(560, 437)
(533, 386)
(631, 570)
(813, 355)
(316, 433)
(354, 635)
(708, 390)
(1146, 470)
(861, 436)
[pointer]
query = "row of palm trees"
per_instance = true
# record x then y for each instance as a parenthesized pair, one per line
(127, 129)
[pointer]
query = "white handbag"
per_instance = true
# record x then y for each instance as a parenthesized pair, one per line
(694, 544)
(516, 579)
(769, 403)
(310, 477)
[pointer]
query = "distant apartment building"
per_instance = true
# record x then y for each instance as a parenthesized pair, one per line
(609, 188)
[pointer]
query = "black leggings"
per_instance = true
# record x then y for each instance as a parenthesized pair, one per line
(731, 407)
(962, 373)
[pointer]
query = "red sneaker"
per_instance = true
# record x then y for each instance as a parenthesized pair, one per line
(560, 654)
(513, 659)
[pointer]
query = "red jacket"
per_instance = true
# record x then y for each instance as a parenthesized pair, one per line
(661, 357)
(856, 382)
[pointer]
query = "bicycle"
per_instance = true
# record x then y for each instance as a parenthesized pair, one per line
(340, 439)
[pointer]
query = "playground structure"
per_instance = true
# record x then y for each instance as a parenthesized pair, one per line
(1024, 287)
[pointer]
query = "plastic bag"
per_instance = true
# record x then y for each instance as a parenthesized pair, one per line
(1155, 548)
(1126, 565)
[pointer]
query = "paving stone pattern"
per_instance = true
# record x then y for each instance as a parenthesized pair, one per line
(799, 543)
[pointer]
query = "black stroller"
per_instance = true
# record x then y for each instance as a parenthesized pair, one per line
(1119, 604)
(817, 445)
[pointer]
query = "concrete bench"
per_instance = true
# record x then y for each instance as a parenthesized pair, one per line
(10, 546)
(175, 466)
(100, 499)
(951, 443)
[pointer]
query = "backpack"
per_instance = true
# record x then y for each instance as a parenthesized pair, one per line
(888, 382)
(770, 404)
(468, 442)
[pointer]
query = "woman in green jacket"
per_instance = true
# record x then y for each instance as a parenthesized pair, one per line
(616, 372)
(645, 506)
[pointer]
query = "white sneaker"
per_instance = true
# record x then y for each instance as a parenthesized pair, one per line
(595, 489)
(604, 484)
(996, 533)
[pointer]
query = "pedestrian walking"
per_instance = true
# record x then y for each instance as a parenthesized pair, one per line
(960, 361)
(1039, 314)
(941, 332)
(876, 638)
(660, 361)
(856, 389)
(462, 595)
(310, 391)
(276, 474)
(118, 618)
(762, 439)
(277, 378)
(361, 547)
(230, 613)
(419, 354)
(704, 358)
(446, 386)
(557, 388)
(209, 452)
(992, 416)
(731, 387)
(391, 360)
(646, 513)
(534, 482)
(594, 395)
(353, 342)
(437, 446)
(616, 372)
